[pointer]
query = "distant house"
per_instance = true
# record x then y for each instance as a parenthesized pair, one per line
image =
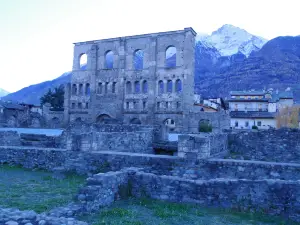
(210, 105)
(9, 113)
(33, 108)
(257, 108)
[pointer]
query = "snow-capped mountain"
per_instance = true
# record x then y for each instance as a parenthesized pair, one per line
(3, 92)
(230, 40)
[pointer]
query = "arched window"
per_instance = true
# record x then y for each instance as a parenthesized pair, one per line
(128, 87)
(137, 87)
(145, 87)
(100, 88)
(178, 86)
(87, 89)
(113, 88)
(138, 59)
(169, 86)
(170, 59)
(109, 60)
(82, 61)
(160, 87)
(74, 89)
(106, 87)
(80, 89)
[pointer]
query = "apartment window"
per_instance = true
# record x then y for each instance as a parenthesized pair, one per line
(236, 107)
(259, 123)
(247, 124)
(236, 124)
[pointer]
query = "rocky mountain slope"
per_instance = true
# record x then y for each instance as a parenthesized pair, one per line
(276, 65)
(230, 40)
(33, 93)
(3, 92)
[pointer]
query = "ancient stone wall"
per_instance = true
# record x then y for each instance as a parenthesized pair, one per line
(269, 196)
(281, 145)
(204, 145)
(12, 138)
(10, 216)
(110, 138)
(82, 162)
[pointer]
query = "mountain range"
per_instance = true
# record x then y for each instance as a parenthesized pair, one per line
(228, 59)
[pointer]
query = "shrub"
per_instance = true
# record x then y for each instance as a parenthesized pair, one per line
(254, 127)
(205, 127)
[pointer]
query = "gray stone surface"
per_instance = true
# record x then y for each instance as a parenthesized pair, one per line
(10, 216)
(281, 145)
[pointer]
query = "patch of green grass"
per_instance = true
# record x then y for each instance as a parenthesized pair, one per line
(154, 212)
(36, 190)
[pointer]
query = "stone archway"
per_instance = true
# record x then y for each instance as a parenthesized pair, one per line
(12, 121)
(102, 118)
(55, 122)
(135, 121)
(167, 126)
(35, 122)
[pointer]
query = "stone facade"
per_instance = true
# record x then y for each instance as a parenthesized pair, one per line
(111, 86)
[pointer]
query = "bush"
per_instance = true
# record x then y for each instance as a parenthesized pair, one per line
(254, 127)
(205, 127)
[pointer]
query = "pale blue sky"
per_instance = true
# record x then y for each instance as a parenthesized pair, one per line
(37, 35)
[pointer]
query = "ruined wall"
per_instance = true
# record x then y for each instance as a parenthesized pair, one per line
(82, 162)
(269, 196)
(200, 146)
(130, 138)
(281, 145)
(113, 88)
(12, 138)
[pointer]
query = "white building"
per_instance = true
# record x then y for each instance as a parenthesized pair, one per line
(257, 108)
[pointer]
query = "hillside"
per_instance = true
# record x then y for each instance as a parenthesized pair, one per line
(33, 93)
(276, 65)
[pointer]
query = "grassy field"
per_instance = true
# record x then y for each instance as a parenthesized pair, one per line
(154, 212)
(35, 190)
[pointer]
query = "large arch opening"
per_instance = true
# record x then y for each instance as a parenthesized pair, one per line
(109, 60)
(135, 121)
(82, 61)
(170, 57)
(205, 126)
(103, 118)
(138, 59)
(54, 123)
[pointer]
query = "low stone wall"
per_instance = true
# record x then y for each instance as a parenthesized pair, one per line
(281, 145)
(237, 169)
(14, 217)
(103, 189)
(269, 196)
(110, 138)
(199, 146)
(12, 138)
(82, 162)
